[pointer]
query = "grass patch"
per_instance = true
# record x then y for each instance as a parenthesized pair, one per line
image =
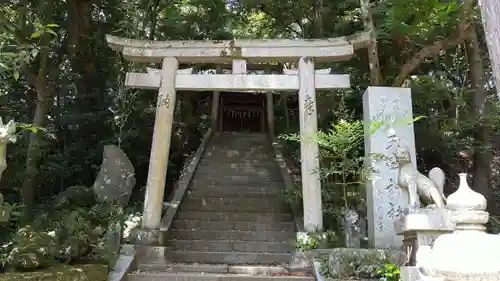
(91, 272)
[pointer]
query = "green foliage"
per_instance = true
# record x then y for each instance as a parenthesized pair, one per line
(389, 272)
(341, 166)
(320, 240)
(66, 235)
(324, 270)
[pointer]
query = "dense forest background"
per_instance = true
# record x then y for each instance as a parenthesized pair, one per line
(59, 78)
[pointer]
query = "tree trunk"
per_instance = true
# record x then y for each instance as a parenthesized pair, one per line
(366, 14)
(43, 105)
(490, 10)
(318, 19)
(482, 154)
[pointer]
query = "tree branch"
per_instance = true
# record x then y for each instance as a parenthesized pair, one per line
(424, 53)
(441, 45)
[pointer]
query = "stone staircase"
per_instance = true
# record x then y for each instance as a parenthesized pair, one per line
(232, 223)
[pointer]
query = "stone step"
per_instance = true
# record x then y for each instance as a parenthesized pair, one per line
(210, 277)
(230, 176)
(211, 268)
(231, 257)
(266, 185)
(236, 192)
(264, 203)
(269, 166)
(231, 235)
(225, 246)
(249, 146)
(221, 216)
(235, 181)
(240, 148)
(217, 206)
(249, 172)
(241, 151)
(225, 161)
(233, 225)
(150, 254)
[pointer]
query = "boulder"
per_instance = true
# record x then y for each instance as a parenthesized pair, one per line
(116, 179)
(361, 263)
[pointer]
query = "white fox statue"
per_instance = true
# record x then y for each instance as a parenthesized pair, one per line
(420, 189)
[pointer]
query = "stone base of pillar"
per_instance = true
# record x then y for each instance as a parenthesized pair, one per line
(145, 237)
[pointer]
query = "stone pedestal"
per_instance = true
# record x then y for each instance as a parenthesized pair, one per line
(420, 229)
(385, 200)
(469, 253)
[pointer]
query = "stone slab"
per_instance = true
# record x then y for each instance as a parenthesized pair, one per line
(235, 208)
(235, 180)
(246, 205)
(230, 257)
(264, 236)
(146, 254)
(123, 264)
(234, 225)
(211, 277)
(259, 217)
(425, 220)
(211, 268)
(234, 192)
(228, 246)
(385, 200)
(274, 187)
(223, 172)
(183, 268)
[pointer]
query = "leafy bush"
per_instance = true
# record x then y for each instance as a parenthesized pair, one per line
(342, 170)
(388, 272)
(66, 235)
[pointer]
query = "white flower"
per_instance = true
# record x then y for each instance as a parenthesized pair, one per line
(132, 221)
(51, 233)
(303, 238)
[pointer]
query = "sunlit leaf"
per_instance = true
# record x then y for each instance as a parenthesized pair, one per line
(36, 34)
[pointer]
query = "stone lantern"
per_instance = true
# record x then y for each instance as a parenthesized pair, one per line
(468, 253)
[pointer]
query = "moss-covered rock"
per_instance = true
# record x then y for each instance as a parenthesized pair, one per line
(91, 272)
(362, 263)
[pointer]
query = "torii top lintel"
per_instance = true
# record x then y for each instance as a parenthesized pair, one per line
(254, 50)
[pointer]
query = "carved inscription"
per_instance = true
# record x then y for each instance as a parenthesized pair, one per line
(164, 101)
(309, 105)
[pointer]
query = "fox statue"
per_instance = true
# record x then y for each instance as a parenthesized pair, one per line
(420, 189)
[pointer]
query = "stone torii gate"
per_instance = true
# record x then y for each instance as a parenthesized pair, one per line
(169, 78)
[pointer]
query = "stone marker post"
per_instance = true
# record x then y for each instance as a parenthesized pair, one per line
(385, 201)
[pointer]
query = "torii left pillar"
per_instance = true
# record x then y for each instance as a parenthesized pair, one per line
(158, 162)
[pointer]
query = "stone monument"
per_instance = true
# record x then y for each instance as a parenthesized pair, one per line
(385, 201)
(468, 253)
